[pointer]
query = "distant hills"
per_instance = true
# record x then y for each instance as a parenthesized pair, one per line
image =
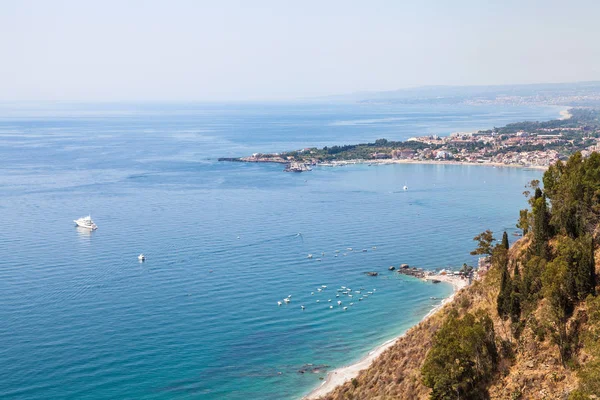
(571, 94)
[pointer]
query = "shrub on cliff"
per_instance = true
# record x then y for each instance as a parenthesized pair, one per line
(462, 358)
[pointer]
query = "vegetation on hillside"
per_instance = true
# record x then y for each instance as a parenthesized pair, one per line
(558, 273)
(530, 329)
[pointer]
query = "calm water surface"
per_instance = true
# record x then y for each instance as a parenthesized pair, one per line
(82, 318)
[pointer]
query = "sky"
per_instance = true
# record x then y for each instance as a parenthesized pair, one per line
(194, 50)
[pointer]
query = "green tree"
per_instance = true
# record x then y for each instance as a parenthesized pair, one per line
(515, 296)
(462, 358)
(485, 242)
(505, 240)
(560, 304)
(541, 227)
(523, 223)
(503, 299)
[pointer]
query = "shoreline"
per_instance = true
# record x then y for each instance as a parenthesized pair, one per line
(430, 162)
(342, 375)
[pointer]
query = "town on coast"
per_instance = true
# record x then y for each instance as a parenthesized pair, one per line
(522, 144)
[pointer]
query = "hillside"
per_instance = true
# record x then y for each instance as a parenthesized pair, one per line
(529, 328)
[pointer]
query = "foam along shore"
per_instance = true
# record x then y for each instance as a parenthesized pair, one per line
(342, 375)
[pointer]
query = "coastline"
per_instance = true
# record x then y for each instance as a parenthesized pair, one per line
(566, 113)
(431, 162)
(343, 374)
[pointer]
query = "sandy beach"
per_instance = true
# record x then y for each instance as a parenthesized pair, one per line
(565, 114)
(341, 375)
(432, 162)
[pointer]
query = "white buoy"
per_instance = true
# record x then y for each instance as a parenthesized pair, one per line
(330, 306)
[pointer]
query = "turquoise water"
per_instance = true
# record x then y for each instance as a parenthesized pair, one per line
(82, 318)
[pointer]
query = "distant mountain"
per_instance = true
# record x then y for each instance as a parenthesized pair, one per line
(572, 94)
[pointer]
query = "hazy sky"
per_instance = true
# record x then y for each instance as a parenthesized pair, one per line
(262, 49)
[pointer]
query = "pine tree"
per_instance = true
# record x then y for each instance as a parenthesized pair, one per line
(523, 222)
(505, 240)
(503, 300)
(541, 227)
(515, 296)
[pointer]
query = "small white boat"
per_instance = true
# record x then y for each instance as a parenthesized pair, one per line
(142, 257)
(405, 188)
(278, 303)
(345, 308)
(86, 222)
(324, 286)
(286, 300)
(329, 300)
(309, 256)
(330, 306)
(339, 303)
(302, 307)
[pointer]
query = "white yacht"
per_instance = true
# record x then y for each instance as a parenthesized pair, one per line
(86, 222)
(405, 188)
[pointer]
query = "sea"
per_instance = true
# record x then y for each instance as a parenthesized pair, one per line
(82, 318)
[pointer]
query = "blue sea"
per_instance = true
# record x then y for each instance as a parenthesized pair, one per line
(82, 318)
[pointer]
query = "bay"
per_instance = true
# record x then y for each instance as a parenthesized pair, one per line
(82, 318)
